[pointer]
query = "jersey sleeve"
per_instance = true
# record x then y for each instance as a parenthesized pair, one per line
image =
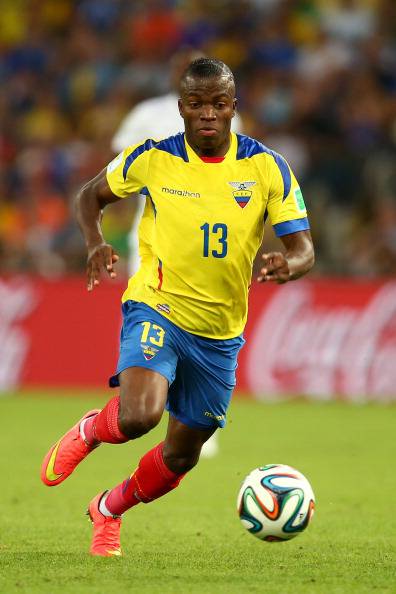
(286, 207)
(127, 173)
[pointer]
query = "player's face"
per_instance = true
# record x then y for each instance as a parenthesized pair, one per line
(207, 107)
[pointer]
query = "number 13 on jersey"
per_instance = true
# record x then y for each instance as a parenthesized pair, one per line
(215, 236)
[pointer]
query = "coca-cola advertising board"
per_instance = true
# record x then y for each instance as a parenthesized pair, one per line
(321, 339)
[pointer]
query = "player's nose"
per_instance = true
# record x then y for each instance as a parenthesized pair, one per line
(208, 113)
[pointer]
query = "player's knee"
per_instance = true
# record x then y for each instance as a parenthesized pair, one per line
(136, 422)
(180, 463)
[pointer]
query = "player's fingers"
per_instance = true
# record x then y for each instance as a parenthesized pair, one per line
(276, 271)
(279, 261)
(90, 281)
(89, 277)
(269, 270)
(93, 277)
(266, 259)
(112, 273)
(110, 260)
(272, 261)
(273, 278)
(265, 275)
(276, 267)
(267, 263)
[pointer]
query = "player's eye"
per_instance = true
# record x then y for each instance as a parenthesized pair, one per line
(220, 105)
(193, 104)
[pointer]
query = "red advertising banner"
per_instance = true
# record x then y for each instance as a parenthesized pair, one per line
(55, 333)
(322, 339)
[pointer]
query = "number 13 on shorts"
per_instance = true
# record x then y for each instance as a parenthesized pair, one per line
(153, 333)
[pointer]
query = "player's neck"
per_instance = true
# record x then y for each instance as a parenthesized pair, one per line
(218, 151)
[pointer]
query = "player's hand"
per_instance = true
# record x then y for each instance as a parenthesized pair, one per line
(275, 268)
(100, 257)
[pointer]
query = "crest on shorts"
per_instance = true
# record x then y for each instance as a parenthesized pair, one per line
(148, 351)
(241, 192)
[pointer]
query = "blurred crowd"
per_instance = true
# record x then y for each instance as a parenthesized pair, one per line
(316, 81)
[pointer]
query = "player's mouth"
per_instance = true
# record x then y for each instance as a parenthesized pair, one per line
(207, 131)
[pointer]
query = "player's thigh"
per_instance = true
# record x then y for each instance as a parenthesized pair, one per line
(143, 393)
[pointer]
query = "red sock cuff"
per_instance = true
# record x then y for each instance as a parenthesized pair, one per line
(105, 427)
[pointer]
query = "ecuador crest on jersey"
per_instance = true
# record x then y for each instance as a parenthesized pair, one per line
(242, 194)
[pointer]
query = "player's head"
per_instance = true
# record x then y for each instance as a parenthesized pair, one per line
(207, 104)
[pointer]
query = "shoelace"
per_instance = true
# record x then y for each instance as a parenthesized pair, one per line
(108, 534)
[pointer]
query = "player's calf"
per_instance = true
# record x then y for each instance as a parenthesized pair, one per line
(180, 463)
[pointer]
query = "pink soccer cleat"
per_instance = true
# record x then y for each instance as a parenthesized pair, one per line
(106, 531)
(66, 454)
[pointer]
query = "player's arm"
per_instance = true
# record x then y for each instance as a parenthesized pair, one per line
(289, 265)
(90, 202)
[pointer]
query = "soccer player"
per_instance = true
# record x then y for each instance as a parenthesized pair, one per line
(184, 312)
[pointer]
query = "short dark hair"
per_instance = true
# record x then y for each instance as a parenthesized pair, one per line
(206, 68)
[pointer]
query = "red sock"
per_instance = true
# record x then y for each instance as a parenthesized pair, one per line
(104, 426)
(151, 480)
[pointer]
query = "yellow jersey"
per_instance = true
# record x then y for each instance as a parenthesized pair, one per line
(205, 221)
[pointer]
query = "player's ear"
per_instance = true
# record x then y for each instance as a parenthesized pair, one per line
(234, 106)
(180, 106)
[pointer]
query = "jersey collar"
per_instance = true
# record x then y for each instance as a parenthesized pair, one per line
(229, 156)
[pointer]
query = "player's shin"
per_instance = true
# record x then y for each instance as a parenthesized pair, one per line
(151, 480)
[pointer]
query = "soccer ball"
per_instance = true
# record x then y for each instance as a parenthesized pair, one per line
(275, 502)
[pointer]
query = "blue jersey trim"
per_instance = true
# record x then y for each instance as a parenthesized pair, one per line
(248, 147)
(145, 192)
(146, 146)
(173, 145)
(285, 173)
(153, 205)
(291, 227)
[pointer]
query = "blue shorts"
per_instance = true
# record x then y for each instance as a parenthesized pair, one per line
(200, 371)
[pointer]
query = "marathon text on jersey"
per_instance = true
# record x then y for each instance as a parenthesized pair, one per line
(182, 193)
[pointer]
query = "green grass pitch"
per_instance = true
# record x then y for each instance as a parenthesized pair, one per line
(192, 539)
